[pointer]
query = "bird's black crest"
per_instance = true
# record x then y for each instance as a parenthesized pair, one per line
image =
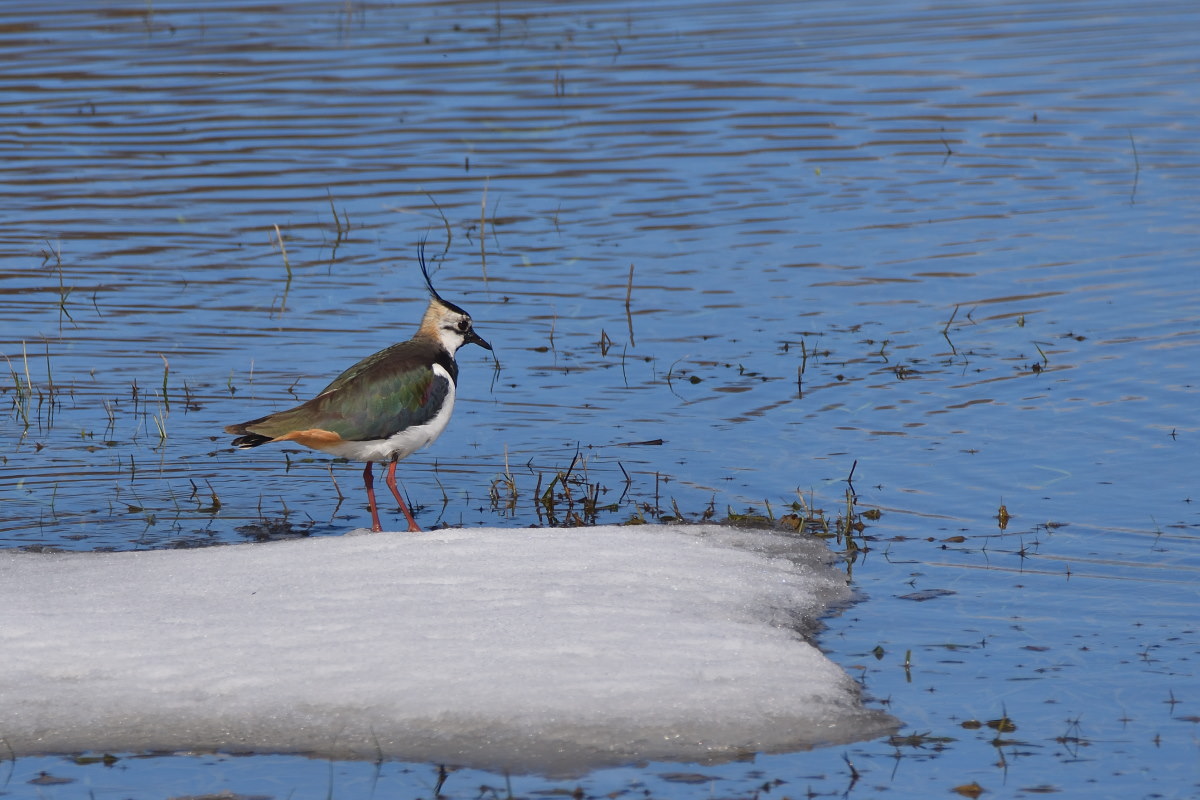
(429, 283)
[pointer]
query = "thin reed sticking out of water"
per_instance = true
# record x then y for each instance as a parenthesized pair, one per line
(283, 251)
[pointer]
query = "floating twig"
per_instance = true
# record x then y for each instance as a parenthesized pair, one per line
(1137, 168)
(445, 222)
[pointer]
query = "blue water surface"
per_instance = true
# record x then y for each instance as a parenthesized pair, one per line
(945, 250)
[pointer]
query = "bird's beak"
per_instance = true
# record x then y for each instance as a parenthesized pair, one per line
(474, 338)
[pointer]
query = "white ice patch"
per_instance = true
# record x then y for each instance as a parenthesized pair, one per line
(543, 650)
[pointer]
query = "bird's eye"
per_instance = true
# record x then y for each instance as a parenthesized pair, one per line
(464, 325)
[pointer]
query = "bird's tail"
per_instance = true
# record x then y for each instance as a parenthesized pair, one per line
(247, 439)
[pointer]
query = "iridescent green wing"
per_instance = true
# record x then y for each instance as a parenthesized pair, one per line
(379, 396)
(400, 354)
(380, 400)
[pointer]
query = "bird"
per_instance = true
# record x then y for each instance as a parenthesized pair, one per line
(385, 407)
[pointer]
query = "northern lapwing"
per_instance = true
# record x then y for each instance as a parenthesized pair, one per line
(386, 406)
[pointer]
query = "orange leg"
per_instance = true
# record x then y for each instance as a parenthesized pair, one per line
(391, 484)
(370, 482)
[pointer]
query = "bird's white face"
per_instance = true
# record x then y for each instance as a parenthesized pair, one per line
(453, 330)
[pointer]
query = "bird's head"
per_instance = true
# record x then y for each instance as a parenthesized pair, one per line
(445, 321)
